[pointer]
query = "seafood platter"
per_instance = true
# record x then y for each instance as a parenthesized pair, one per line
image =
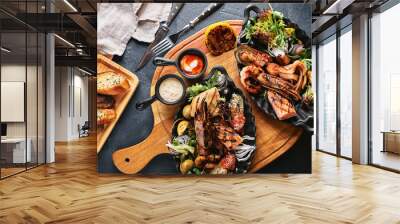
(274, 58)
(214, 131)
(230, 99)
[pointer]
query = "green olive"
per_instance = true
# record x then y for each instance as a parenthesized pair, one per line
(186, 166)
(186, 111)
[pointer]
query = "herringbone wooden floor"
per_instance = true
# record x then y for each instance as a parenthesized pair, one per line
(70, 191)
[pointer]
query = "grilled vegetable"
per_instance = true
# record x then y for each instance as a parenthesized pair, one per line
(186, 166)
(186, 111)
(220, 38)
(181, 148)
(182, 127)
(200, 161)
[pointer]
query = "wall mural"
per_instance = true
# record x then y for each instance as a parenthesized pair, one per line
(199, 89)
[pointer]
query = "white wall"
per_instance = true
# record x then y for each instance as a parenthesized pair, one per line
(61, 103)
(16, 73)
(33, 127)
(80, 110)
(71, 93)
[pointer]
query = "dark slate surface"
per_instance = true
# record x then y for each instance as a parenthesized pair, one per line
(134, 125)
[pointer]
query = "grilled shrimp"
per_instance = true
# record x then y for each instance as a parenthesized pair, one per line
(227, 136)
(236, 107)
(248, 78)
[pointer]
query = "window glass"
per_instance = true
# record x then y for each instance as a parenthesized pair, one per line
(326, 96)
(385, 84)
(15, 150)
(23, 90)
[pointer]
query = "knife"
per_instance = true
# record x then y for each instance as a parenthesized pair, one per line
(160, 34)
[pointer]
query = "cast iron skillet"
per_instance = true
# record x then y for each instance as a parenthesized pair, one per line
(227, 89)
(159, 61)
(147, 102)
(305, 114)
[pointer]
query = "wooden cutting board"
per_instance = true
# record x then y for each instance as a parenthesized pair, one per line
(105, 64)
(273, 137)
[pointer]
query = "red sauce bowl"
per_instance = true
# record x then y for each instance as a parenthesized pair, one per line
(190, 63)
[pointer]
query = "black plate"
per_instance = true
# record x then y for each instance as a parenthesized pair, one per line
(305, 114)
(249, 127)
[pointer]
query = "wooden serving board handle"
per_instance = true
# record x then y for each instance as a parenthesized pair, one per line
(134, 158)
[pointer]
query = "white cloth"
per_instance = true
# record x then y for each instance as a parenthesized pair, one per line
(118, 22)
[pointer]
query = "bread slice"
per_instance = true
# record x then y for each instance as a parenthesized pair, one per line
(105, 116)
(110, 83)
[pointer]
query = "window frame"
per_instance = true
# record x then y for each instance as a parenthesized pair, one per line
(381, 9)
(339, 32)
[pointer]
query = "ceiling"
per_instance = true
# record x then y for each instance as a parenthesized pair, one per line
(76, 20)
(329, 15)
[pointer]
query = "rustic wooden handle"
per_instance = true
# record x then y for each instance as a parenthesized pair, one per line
(133, 159)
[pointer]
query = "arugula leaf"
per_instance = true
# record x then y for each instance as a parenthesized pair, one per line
(198, 88)
(195, 90)
(213, 81)
(271, 24)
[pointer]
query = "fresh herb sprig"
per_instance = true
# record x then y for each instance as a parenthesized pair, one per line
(198, 88)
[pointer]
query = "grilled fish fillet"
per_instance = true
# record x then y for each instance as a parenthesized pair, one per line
(279, 85)
(282, 107)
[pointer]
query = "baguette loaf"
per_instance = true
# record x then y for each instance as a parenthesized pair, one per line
(110, 83)
(105, 116)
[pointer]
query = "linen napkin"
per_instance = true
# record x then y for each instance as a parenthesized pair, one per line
(118, 22)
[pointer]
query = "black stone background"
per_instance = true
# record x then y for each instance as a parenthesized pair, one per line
(134, 126)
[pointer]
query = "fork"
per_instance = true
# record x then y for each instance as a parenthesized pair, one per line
(168, 42)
